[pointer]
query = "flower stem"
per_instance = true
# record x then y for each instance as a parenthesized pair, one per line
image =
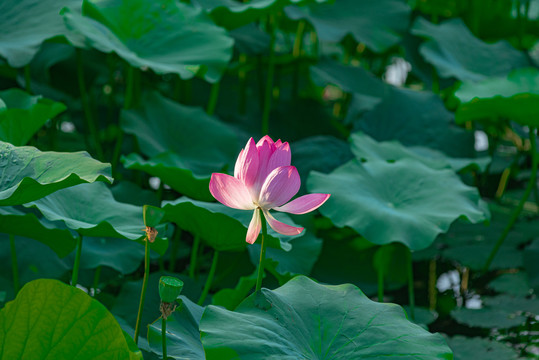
(75, 276)
(194, 256)
(14, 265)
(410, 272)
(262, 253)
(269, 82)
(164, 337)
(144, 286)
(90, 123)
(432, 284)
(209, 280)
(520, 206)
(214, 95)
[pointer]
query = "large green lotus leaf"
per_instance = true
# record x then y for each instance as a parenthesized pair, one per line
(417, 118)
(29, 174)
(377, 24)
(174, 172)
(456, 52)
(502, 311)
(366, 148)
(90, 209)
(26, 24)
(305, 320)
(52, 320)
(465, 348)
(16, 222)
(396, 202)
(166, 36)
(514, 97)
(183, 336)
(232, 14)
(34, 261)
(219, 226)
(24, 115)
(182, 137)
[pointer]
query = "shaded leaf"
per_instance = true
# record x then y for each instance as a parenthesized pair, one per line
(24, 115)
(31, 174)
(183, 337)
(399, 202)
(377, 24)
(480, 349)
(367, 149)
(456, 52)
(15, 222)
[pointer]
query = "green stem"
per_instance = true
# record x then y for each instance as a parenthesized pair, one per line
(164, 337)
(296, 52)
(269, 82)
(380, 285)
(432, 284)
(174, 248)
(97, 275)
(520, 206)
(242, 78)
(128, 102)
(194, 253)
(209, 280)
(14, 265)
(27, 79)
(144, 286)
(214, 95)
(262, 253)
(90, 123)
(410, 272)
(75, 276)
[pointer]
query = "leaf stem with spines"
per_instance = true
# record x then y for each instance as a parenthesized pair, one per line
(262, 252)
(14, 265)
(75, 275)
(144, 286)
(520, 206)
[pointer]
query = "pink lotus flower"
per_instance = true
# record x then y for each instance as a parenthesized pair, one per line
(263, 179)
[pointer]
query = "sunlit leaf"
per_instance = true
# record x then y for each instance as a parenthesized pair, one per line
(49, 319)
(514, 97)
(31, 174)
(26, 24)
(167, 37)
(91, 210)
(303, 319)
